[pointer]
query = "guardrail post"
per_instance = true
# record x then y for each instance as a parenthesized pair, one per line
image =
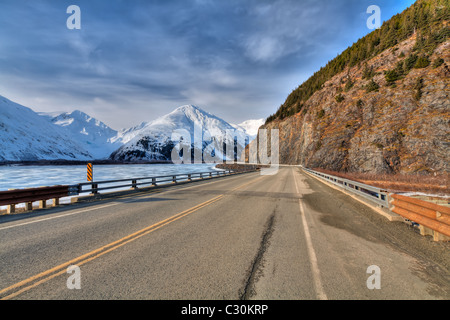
(94, 188)
(11, 208)
(389, 200)
(189, 177)
(424, 231)
(153, 181)
(437, 236)
(134, 184)
(210, 174)
(42, 204)
(174, 179)
(201, 175)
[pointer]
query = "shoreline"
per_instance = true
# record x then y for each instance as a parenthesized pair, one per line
(77, 162)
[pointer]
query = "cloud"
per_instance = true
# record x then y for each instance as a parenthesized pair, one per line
(264, 49)
(136, 60)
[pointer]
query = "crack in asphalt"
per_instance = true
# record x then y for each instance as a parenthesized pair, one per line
(256, 265)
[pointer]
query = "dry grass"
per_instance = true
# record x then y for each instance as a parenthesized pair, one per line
(437, 185)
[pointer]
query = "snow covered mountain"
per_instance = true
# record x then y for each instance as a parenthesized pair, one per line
(250, 127)
(93, 135)
(203, 132)
(27, 136)
(125, 135)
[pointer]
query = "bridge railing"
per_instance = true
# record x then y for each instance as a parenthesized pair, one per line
(135, 183)
(27, 196)
(376, 195)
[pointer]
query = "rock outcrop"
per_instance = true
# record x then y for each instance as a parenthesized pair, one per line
(377, 124)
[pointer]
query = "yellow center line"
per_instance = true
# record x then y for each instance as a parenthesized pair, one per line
(60, 269)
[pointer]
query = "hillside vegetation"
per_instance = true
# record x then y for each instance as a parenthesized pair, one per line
(380, 107)
(425, 18)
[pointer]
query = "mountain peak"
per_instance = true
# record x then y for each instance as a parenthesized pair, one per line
(195, 115)
(77, 112)
(154, 140)
(189, 109)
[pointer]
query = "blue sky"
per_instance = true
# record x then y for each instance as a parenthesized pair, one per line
(133, 61)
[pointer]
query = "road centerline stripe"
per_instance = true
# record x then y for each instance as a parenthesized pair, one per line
(49, 274)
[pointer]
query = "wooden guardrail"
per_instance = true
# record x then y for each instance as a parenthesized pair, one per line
(433, 219)
(11, 198)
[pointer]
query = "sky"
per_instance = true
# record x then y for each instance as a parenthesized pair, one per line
(133, 61)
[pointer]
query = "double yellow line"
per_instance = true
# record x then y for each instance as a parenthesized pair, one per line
(27, 284)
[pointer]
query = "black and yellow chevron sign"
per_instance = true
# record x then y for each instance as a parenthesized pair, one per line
(90, 174)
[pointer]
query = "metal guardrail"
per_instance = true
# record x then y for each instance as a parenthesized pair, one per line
(134, 183)
(374, 194)
(11, 198)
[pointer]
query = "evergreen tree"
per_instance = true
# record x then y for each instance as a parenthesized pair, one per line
(422, 62)
(425, 17)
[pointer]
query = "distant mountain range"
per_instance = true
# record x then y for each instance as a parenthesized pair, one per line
(26, 135)
(98, 139)
(154, 141)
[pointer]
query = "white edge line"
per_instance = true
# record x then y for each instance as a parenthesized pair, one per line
(312, 254)
(60, 216)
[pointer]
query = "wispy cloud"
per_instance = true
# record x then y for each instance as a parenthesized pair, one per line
(135, 60)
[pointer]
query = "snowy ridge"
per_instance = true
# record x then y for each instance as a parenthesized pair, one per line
(27, 136)
(125, 135)
(250, 126)
(93, 135)
(153, 141)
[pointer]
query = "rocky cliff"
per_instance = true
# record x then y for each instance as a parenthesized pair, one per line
(387, 114)
(398, 128)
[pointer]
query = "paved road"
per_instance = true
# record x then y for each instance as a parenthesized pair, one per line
(286, 236)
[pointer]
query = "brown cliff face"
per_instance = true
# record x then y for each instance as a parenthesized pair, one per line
(401, 127)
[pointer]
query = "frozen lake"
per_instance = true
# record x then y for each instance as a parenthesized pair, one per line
(19, 177)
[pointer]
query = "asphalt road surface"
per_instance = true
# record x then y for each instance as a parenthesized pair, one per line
(286, 236)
